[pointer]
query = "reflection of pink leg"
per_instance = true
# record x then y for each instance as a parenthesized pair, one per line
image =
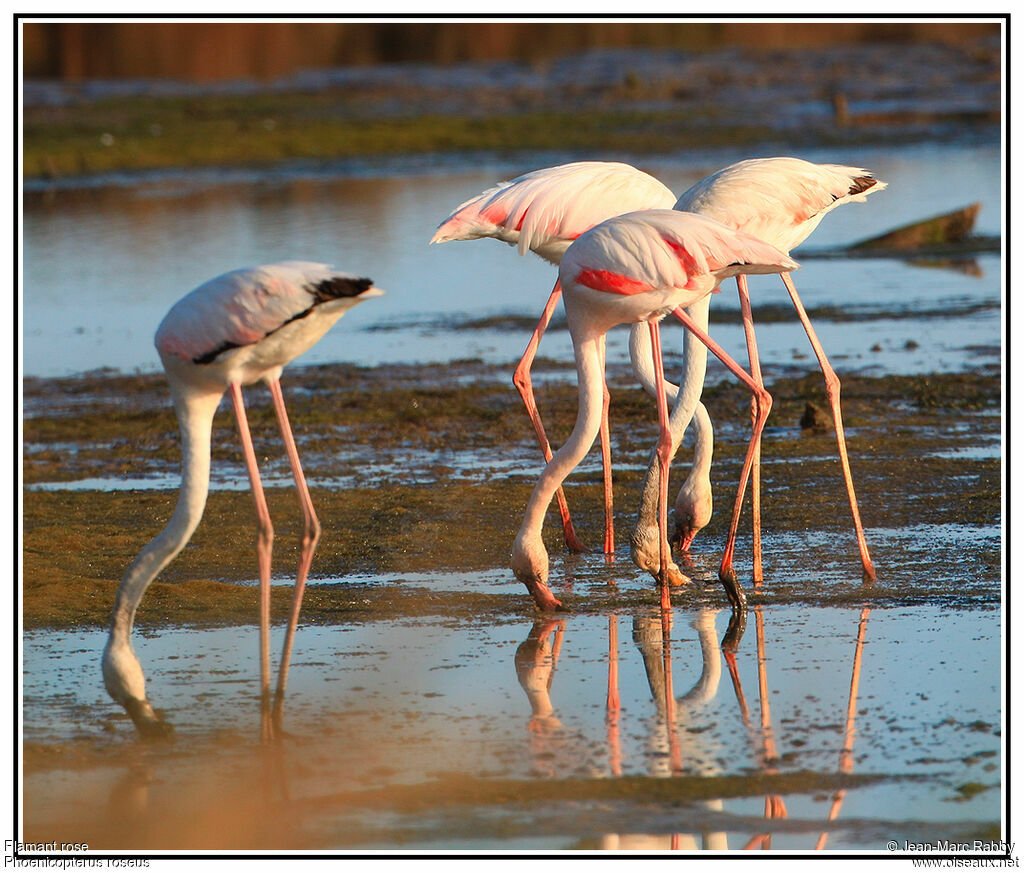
(556, 646)
(832, 390)
(764, 404)
(846, 755)
(774, 805)
(755, 372)
(523, 381)
(613, 706)
(264, 539)
(664, 452)
(675, 755)
(310, 536)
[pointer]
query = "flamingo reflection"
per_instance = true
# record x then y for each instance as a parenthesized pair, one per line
(850, 732)
(775, 806)
(535, 660)
(676, 744)
(652, 635)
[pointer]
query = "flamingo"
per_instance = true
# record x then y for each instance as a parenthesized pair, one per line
(234, 330)
(544, 211)
(638, 268)
(781, 201)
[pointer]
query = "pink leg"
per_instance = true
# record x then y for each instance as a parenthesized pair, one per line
(755, 372)
(522, 380)
(310, 538)
(832, 390)
(664, 452)
(264, 539)
(726, 572)
(606, 463)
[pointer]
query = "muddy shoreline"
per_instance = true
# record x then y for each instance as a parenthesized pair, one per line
(386, 451)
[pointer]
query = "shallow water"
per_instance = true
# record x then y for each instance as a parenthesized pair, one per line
(103, 264)
(377, 708)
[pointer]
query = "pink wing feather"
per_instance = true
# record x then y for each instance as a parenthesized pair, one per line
(779, 200)
(548, 208)
(663, 248)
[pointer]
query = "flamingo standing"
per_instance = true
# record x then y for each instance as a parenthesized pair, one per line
(544, 211)
(234, 330)
(636, 268)
(781, 201)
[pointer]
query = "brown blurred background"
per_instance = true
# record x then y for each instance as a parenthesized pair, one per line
(203, 51)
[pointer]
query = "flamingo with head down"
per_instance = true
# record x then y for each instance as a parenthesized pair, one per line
(239, 328)
(781, 201)
(544, 211)
(636, 268)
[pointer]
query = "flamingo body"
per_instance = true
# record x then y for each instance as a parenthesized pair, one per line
(778, 200)
(643, 265)
(248, 324)
(781, 201)
(233, 330)
(545, 210)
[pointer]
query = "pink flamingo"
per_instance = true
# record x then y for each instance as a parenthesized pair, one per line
(636, 268)
(543, 212)
(781, 201)
(239, 328)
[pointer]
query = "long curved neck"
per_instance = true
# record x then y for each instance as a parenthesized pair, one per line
(590, 375)
(695, 367)
(195, 418)
(711, 662)
(642, 361)
(703, 446)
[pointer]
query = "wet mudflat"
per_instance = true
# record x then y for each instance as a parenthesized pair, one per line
(431, 708)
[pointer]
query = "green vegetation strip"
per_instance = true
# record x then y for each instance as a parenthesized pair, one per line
(147, 133)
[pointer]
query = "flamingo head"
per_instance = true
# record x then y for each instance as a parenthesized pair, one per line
(693, 512)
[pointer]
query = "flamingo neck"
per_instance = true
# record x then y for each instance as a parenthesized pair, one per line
(590, 375)
(195, 412)
(703, 446)
(711, 661)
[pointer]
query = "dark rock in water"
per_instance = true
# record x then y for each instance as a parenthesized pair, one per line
(815, 418)
(953, 227)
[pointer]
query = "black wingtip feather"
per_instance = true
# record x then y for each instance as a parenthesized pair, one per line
(862, 183)
(337, 287)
